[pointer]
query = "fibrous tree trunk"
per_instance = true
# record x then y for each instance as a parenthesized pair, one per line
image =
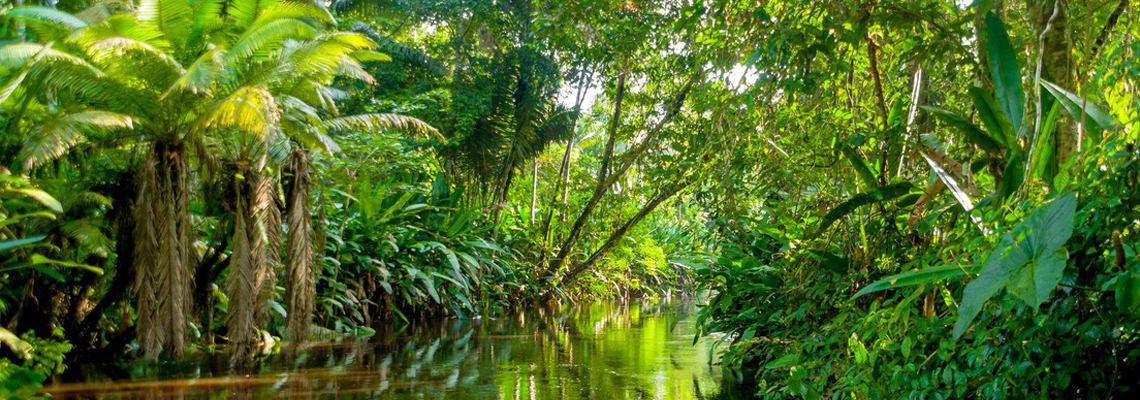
(300, 285)
(163, 249)
(250, 282)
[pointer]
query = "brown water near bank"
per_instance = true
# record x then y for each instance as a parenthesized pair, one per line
(598, 351)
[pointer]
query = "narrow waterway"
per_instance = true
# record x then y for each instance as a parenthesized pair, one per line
(597, 351)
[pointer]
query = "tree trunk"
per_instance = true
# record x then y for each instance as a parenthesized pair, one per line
(606, 177)
(300, 284)
(163, 251)
(250, 282)
(534, 193)
(1057, 67)
(599, 190)
(619, 234)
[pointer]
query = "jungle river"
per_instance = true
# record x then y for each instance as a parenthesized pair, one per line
(598, 351)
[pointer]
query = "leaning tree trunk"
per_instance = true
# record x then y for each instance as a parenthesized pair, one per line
(163, 251)
(250, 283)
(300, 286)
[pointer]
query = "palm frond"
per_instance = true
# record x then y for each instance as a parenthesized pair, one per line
(102, 10)
(382, 121)
(51, 15)
(318, 95)
(89, 235)
(293, 10)
(123, 26)
(242, 13)
(54, 137)
(15, 80)
(251, 109)
(17, 54)
(258, 41)
(328, 55)
(202, 75)
(171, 17)
(155, 66)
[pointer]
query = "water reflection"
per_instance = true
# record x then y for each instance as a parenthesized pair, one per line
(599, 351)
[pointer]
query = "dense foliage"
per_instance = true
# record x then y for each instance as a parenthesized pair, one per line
(876, 199)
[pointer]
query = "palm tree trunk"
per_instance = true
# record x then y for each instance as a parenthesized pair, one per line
(163, 253)
(300, 285)
(250, 282)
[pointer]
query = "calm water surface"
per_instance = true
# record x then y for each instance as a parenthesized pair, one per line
(599, 351)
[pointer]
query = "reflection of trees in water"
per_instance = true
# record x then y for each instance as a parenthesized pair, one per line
(612, 351)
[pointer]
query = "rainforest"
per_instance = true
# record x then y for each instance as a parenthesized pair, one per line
(569, 199)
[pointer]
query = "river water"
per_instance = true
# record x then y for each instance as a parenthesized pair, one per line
(597, 351)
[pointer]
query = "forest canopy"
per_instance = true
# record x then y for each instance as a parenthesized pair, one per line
(868, 199)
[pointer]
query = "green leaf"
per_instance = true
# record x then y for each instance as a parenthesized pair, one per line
(41, 260)
(1043, 147)
(1028, 263)
(1127, 294)
(883, 193)
(1005, 72)
(973, 134)
(65, 20)
(1013, 176)
(914, 278)
(42, 197)
(995, 273)
(861, 166)
(11, 244)
(1096, 119)
(993, 118)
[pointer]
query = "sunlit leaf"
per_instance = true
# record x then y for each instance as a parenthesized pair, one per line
(1028, 262)
(1006, 72)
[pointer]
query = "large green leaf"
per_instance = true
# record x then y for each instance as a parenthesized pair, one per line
(1043, 147)
(1028, 263)
(42, 197)
(14, 243)
(1013, 176)
(860, 165)
(882, 193)
(1005, 72)
(1096, 119)
(913, 278)
(973, 133)
(993, 118)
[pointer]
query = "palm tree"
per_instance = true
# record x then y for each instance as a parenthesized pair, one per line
(256, 80)
(177, 70)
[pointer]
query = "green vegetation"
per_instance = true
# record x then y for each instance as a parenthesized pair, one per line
(873, 199)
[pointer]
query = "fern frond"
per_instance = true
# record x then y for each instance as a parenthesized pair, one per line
(258, 41)
(242, 13)
(51, 15)
(15, 80)
(54, 137)
(293, 10)
(250, 109)
(171, 17)
(382, 121)
(102, 10)
(124, 26)
(17, 54)
(202, 75)
(88, 235)
(328, 55)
